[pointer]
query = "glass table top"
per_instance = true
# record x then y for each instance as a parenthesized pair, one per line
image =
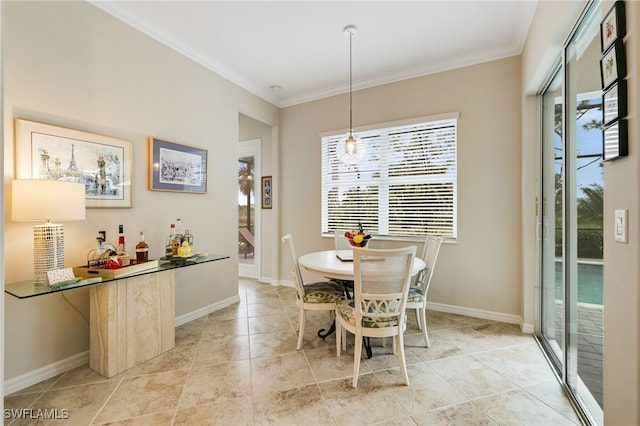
(25, 289)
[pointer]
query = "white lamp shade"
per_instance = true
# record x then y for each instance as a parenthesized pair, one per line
(39, 199)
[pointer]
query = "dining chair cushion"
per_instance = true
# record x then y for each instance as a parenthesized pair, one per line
(345, 308)
(415, 294)
(323, 292)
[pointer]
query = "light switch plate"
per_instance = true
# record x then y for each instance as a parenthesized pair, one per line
(620, 226)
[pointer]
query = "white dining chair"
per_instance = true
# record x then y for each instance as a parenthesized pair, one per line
(418, 290)
(378, 309)
(317, 296)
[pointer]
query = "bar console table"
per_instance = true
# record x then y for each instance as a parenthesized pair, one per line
(132, 317)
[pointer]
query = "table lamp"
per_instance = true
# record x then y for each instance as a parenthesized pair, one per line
(47, 200)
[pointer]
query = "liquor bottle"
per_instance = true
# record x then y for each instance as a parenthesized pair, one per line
(188, 237)
(121, 250)
(169, 250)
(142, 250)
(177, 240)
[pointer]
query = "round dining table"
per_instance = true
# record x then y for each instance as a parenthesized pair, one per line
(329, 264)
(337, 265)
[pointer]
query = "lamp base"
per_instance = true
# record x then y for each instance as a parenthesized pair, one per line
(48, 251)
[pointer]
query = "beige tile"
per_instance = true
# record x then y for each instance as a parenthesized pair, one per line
(237, 310)
(221, 350)
(520, 408)
(522, 366)
(471, 377)
(190, 332)
(503, 334)
(367, 404)
(206, 384)
(81, 403)
(82, 375)
(157, 419)
(269, 324)
(271, 307)
(426, 390)
(272, 344)
(552, 394)
(280, 373)
(326, 365)
(400, 421)
(448, 343)
(237, 412)
(211, 378)
(178, 358)
(463, 414)
(225, 328)
(142, 395)
(298, 406)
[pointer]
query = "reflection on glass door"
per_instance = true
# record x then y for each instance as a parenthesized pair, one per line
(248, 215)
(571, 324)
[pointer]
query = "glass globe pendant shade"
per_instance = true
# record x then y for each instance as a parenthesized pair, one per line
(351, 145)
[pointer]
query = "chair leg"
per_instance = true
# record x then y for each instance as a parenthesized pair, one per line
(301, 321)
(401, 358)
(423, 314)
(357, 354)
(418, 319)
(338, 337)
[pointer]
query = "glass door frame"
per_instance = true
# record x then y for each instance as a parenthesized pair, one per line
(565, 363)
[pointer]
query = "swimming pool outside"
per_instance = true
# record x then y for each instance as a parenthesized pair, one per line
(590, 282)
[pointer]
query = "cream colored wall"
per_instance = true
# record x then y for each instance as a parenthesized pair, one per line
(482, 270)
(551, 26)
(622, 268)
(70, 64)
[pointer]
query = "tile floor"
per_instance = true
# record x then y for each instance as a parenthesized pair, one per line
(239, 366)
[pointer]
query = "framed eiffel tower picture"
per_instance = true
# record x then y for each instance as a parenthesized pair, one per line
(102, 163)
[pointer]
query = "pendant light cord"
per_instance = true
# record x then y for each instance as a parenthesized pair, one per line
(350, 83)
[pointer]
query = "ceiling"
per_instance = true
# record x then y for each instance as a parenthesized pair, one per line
(300, 48)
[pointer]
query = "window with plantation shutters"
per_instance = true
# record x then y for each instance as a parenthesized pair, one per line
(404, 184)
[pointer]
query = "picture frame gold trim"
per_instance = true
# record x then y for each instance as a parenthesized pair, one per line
(176, 167)
(103, 163)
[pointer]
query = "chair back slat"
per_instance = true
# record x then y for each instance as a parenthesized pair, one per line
(381, 282)
(430, 253)
(295, 267)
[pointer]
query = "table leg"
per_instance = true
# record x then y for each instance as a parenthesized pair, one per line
(322, 334)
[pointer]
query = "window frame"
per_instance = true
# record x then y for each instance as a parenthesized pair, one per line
(377, 136)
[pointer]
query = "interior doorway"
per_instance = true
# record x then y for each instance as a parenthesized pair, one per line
(248, 213)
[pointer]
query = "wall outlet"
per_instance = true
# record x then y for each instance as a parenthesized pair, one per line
(620, 227)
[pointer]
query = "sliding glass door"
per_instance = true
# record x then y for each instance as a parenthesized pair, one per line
(572, 314)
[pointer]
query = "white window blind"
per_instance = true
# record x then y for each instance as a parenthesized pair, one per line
(404, 186)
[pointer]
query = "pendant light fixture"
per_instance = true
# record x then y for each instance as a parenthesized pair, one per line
(353, 147)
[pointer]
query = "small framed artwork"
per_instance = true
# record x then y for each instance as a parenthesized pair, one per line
(614, 102)
(613, 26)
(102, 163)
(613, 64)
(615, 140)
(267, 192)
(176, 167)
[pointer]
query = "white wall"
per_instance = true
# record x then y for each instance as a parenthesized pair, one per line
(482, 270)
(72, 65)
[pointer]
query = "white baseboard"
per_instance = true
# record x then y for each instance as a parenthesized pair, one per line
(46, 372)
(479, 313)
(183, 319)
(470, 312)
(58, 367)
